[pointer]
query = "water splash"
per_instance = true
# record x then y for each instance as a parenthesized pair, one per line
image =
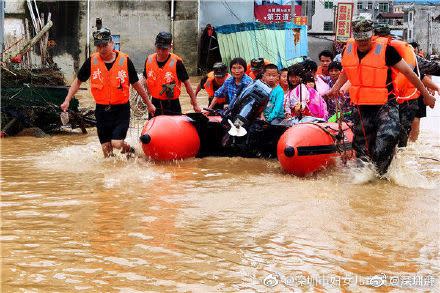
(361, 172)
(406, 169)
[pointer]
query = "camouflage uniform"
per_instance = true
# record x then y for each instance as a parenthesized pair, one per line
(375, 128)
(382, 127)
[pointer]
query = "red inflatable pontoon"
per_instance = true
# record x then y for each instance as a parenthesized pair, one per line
(308, 147)
(170, 138)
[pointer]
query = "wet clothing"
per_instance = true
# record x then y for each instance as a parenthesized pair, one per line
(275, 107)
(376, 128)
(230, 90)
(112, 122)
(381, 126)
(421, 112)
(407, 113)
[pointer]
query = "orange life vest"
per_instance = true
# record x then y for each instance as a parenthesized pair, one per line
(403, 88)
(157, 77)
(109, 87)
(249, 71)
(319, 71)
(209, 87)
(369, 76)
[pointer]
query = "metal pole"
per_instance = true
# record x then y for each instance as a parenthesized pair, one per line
(292, 10)
(429, 32)
(88, 30)
(2, 16)
(172, 21)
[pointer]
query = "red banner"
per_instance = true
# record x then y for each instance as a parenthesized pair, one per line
(343, 22)
(274, 13)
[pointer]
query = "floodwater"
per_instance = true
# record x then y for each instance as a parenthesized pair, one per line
(72, 221)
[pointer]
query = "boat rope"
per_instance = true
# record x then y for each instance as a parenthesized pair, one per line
(300, 100)
(341, 134)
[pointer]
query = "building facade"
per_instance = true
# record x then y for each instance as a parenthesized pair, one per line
(422, 24)
(134, 25)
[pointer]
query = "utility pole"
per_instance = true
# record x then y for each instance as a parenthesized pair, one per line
(429, 49)
(2, 16)
(292, 10)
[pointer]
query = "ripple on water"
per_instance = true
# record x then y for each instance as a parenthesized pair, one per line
(133, 262)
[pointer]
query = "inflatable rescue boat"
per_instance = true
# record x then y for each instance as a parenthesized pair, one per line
(301, 149)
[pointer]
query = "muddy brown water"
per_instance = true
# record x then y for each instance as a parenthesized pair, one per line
(72, 221)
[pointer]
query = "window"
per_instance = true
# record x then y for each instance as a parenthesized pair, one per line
(328, 26)
(410, 17)
(370, 5)
(117, 40)
(328, 4)
(383, 7)
(410, 35)
(360, 5)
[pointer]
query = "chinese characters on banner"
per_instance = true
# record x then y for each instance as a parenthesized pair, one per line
(274, 13)
(343, 22)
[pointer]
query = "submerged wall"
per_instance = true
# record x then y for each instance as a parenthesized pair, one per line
(135, 22)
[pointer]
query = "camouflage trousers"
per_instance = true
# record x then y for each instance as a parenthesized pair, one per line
(407, 113)
(376, 131)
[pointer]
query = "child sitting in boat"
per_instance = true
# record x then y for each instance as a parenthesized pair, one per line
(274, 112)
(334, 70)
(301, 100)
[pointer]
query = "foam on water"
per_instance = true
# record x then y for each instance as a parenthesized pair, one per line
(361, 174)
(73, 158)
(88, 159)
(406, 169)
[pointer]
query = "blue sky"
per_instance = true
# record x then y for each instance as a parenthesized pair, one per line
(419, 1)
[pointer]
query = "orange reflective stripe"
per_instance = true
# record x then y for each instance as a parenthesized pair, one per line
(157, 77)
(110, 87)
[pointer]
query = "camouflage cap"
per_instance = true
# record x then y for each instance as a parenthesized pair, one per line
(220, 69)
(382, 30)
(257, 64)
(163, 40)
(102, 36)
(362, 28)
